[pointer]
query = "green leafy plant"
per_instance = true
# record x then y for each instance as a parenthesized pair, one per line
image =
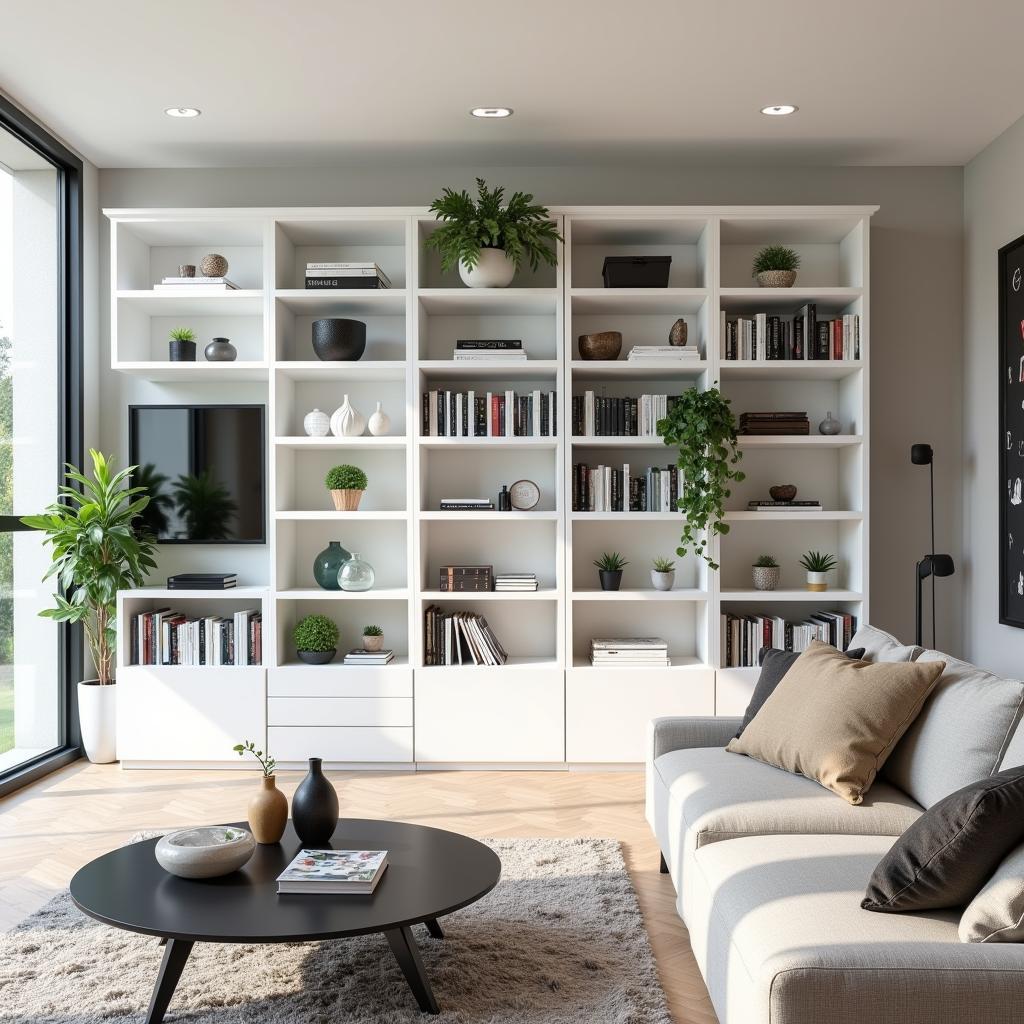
(521, 228)
(775, 257)
(701, 425)
(372, 631)
(267, 763)
(818, 561)
(611, 561)
(205, 505)
(315, 633)
(97, 551)
(664, 564)
(183, 334)
(766, 562)
(345, 478)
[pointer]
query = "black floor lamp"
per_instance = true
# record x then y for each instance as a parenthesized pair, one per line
(932, 564)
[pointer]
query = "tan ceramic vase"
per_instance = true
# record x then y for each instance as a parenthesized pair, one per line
(268, 812)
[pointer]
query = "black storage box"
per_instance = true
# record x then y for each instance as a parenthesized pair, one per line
(636, 271)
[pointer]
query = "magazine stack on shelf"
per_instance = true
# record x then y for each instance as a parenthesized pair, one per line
(489, 414)
(743, 636)
(634, 652)
(345, 275)
(168, 637)
(663, 353)
(369, 659)
(796, 505)
(459, 638)
(515, 582)
(466, 505)
(337, 872)
(484, 349)
(194, 285)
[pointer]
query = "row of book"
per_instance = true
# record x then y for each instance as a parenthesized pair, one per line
(489, 414)
(743, 636)
(609, 489)
(168, 637)
(601, 416)
(515, 582)
(482, 350)
(765, 336)
(194, 285)
(476, 579)
(466, 505)
(459, 638)
(774, 424)
(663, 353)
(794, 505)
(339, 274)
(202, 581)
(629, 652)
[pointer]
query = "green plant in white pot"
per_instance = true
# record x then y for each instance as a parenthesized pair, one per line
(97, 551)
(663, 573)
(489, 242)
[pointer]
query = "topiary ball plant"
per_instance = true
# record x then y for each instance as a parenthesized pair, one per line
(316, 639)
(346, 484)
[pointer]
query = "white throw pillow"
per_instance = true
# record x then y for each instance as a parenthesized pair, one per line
(996, 914)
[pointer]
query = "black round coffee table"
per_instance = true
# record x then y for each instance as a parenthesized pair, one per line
(430, 873)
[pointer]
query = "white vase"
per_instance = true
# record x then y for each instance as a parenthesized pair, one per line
(817, 581)
(493, 270)
(347, 421)
(379, 423)
(317, 424)
(97, 717)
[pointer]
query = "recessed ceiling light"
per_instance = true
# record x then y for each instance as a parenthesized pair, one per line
(182, 112)
(491, 111)
(779, 109)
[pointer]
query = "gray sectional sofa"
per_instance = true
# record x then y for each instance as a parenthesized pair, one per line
(770, 868)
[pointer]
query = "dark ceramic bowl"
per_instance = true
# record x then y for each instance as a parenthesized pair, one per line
(603, 345)
(337, 339)
(317, 657)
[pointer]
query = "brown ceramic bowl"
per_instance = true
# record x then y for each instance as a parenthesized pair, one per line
(783, 492)
(603, 345)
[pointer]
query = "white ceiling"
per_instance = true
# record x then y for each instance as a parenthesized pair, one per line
(877, 81)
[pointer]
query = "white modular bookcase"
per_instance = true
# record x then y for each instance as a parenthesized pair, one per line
(548, 707)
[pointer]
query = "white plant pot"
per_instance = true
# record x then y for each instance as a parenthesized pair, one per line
(493, 270)
(97, 717)
(817, 581)
(663, 580)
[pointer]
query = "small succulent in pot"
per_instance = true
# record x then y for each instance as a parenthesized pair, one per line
(775, 266)
(183, 345)
(346, 484)
(663, 573)
(609, 569)
(766, 573)
(316, 639)
(818, 565)
(373, 638)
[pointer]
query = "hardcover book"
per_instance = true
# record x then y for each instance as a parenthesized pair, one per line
(333, 871)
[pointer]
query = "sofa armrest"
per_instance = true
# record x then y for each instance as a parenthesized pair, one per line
(665, 734)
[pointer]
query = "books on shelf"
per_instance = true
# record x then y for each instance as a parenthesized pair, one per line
(611, 489)
(495, 356)
(345, 275)
(202, 581)
(600, 416)
(465, 504)
(637, 651)
(333, 871)
(802, 336)
(663, 353)
(515, 582)
(459, 638)
(369, 659)
(194, 285)
(774, 424)
(743, 636)
(801, 505)
(168, 637)
(469, 578)
(489, 414)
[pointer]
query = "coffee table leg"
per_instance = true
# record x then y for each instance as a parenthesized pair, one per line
(434, 928)
(407, 953)
(175, 954)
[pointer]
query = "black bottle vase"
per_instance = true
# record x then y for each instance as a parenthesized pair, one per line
(315, 806)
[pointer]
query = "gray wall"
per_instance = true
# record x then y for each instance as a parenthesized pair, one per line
(993, 216)
(916, 303)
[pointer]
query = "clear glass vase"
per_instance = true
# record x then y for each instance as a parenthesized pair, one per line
(356, 574)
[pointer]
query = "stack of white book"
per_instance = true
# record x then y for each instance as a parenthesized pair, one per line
(194, 285)
(511, 582)
(472, 349)
(633, 652)
(369, 658)
(675, 353)
(341, 274)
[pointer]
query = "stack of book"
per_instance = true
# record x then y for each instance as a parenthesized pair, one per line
(469, 578)
(369, 658)
(634, 652)
(202, 581)
(796, 505)
(337, 872)
(483, 349)
(743, 636)
(600, 416)
(459, 638)
(167, 637)
(345, 275)
(465, 504)
(767, 424)
(489, 414)
(608, 489)
(765, 336)
(194, 285)
(663, 353)
(514, 582)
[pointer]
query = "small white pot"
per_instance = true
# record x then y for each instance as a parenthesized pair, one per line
(817, 581)
(663, 580)
(97, 716)
(493, 270)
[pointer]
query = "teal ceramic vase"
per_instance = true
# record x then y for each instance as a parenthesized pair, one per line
(327, 565)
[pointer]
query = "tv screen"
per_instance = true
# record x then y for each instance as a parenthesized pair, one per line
(203, 468)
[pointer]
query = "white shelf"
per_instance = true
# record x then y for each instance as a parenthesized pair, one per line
(343, 301)
(398, 662)
(819, 596)
(544, 594)
(673, 301)
(678, 662)
(484, 443)
(788, 369)
(313, 371)
(330, 516)
(163, 593)
(331, 443)
(525, 662)
(317, 594)
(682, 594)
(762, 300)
(491, 515)
(612, 441)
(650, 517)
(825, 515)
(489, 369)
(193, 372)
(238, 302)
(489, 301)
(801, 441)
(596, 369)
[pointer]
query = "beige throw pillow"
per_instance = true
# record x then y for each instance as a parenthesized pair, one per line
(836, 720)
(996, 914)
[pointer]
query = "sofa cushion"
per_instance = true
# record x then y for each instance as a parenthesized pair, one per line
(881, 646)
(778, 933)
(961, 734)
(996, 914)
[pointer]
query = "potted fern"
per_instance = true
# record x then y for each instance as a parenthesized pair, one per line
(663, 574)
(489, 242)
(98, 550)
(346, 484)
(818, 565)
(775, 266)
(609, 570)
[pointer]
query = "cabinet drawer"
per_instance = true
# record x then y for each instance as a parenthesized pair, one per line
(345, 711)
(339, 745)
(339, 681)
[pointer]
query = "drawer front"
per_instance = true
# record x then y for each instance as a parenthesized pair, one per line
(343, 711)
(340, 745)
(339, 681)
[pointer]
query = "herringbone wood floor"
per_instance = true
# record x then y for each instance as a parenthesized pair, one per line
(50, 829)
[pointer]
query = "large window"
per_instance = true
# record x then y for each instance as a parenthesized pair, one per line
(40, 429)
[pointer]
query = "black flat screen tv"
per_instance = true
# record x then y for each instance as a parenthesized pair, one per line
(203, 466)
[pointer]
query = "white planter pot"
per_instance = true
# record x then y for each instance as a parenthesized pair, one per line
(663, 580)
(97, 716)
(817, 581)
(493, 270)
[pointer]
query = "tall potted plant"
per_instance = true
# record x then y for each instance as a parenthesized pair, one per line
(488, 242)
(97, 551)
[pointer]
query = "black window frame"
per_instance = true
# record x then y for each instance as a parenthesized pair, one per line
(70, 413)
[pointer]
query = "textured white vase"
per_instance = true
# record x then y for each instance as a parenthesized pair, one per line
(493, 270)
(347, 421)
(379, 423)
(97, 717)
(317, 424)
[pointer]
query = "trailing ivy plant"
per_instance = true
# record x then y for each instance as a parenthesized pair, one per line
(701, 425)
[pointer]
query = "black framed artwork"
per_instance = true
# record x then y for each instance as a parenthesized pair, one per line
(1011, 433)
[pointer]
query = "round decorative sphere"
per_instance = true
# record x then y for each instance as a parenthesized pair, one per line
(603, 345)
(338, 339)
(213, 265)
(205, 852)
(317, 424)
(783, 492)
(220, 350)
(356, 574)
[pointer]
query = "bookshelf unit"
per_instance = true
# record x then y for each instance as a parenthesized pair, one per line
(547, 707)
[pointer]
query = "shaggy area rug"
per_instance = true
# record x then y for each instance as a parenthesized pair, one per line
(559, 941)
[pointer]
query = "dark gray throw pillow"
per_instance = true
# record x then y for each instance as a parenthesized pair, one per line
(774, 665)
(953, 849)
